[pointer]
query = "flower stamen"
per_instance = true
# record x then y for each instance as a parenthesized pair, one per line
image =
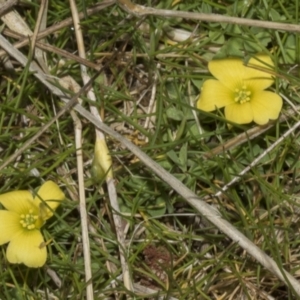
(242, 95)
(29, 220)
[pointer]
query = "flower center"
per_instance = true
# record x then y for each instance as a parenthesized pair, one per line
(30, 220)
(242, 95)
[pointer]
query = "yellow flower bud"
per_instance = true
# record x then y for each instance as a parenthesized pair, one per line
(102, 163)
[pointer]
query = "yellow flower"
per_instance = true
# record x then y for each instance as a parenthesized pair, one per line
(20, 223)
(241, 90)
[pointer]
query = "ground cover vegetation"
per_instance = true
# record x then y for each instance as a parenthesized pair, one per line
(211, 99)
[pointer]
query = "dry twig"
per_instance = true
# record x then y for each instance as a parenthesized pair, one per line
(100, 138)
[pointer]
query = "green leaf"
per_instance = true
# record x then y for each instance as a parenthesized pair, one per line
(173, 156)
(217, 37)
(183, 157)
(158, 209)
(174, 114)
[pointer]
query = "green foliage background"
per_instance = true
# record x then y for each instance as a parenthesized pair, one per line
(198, 262)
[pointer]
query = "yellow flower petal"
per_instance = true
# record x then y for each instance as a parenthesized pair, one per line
(265, 106)
(50, 193)
(27, 248)
(239, 113)
(214, 95)
(18, 201)
(232, 72)
(9, 226)
(263, 62)
(258, 79)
